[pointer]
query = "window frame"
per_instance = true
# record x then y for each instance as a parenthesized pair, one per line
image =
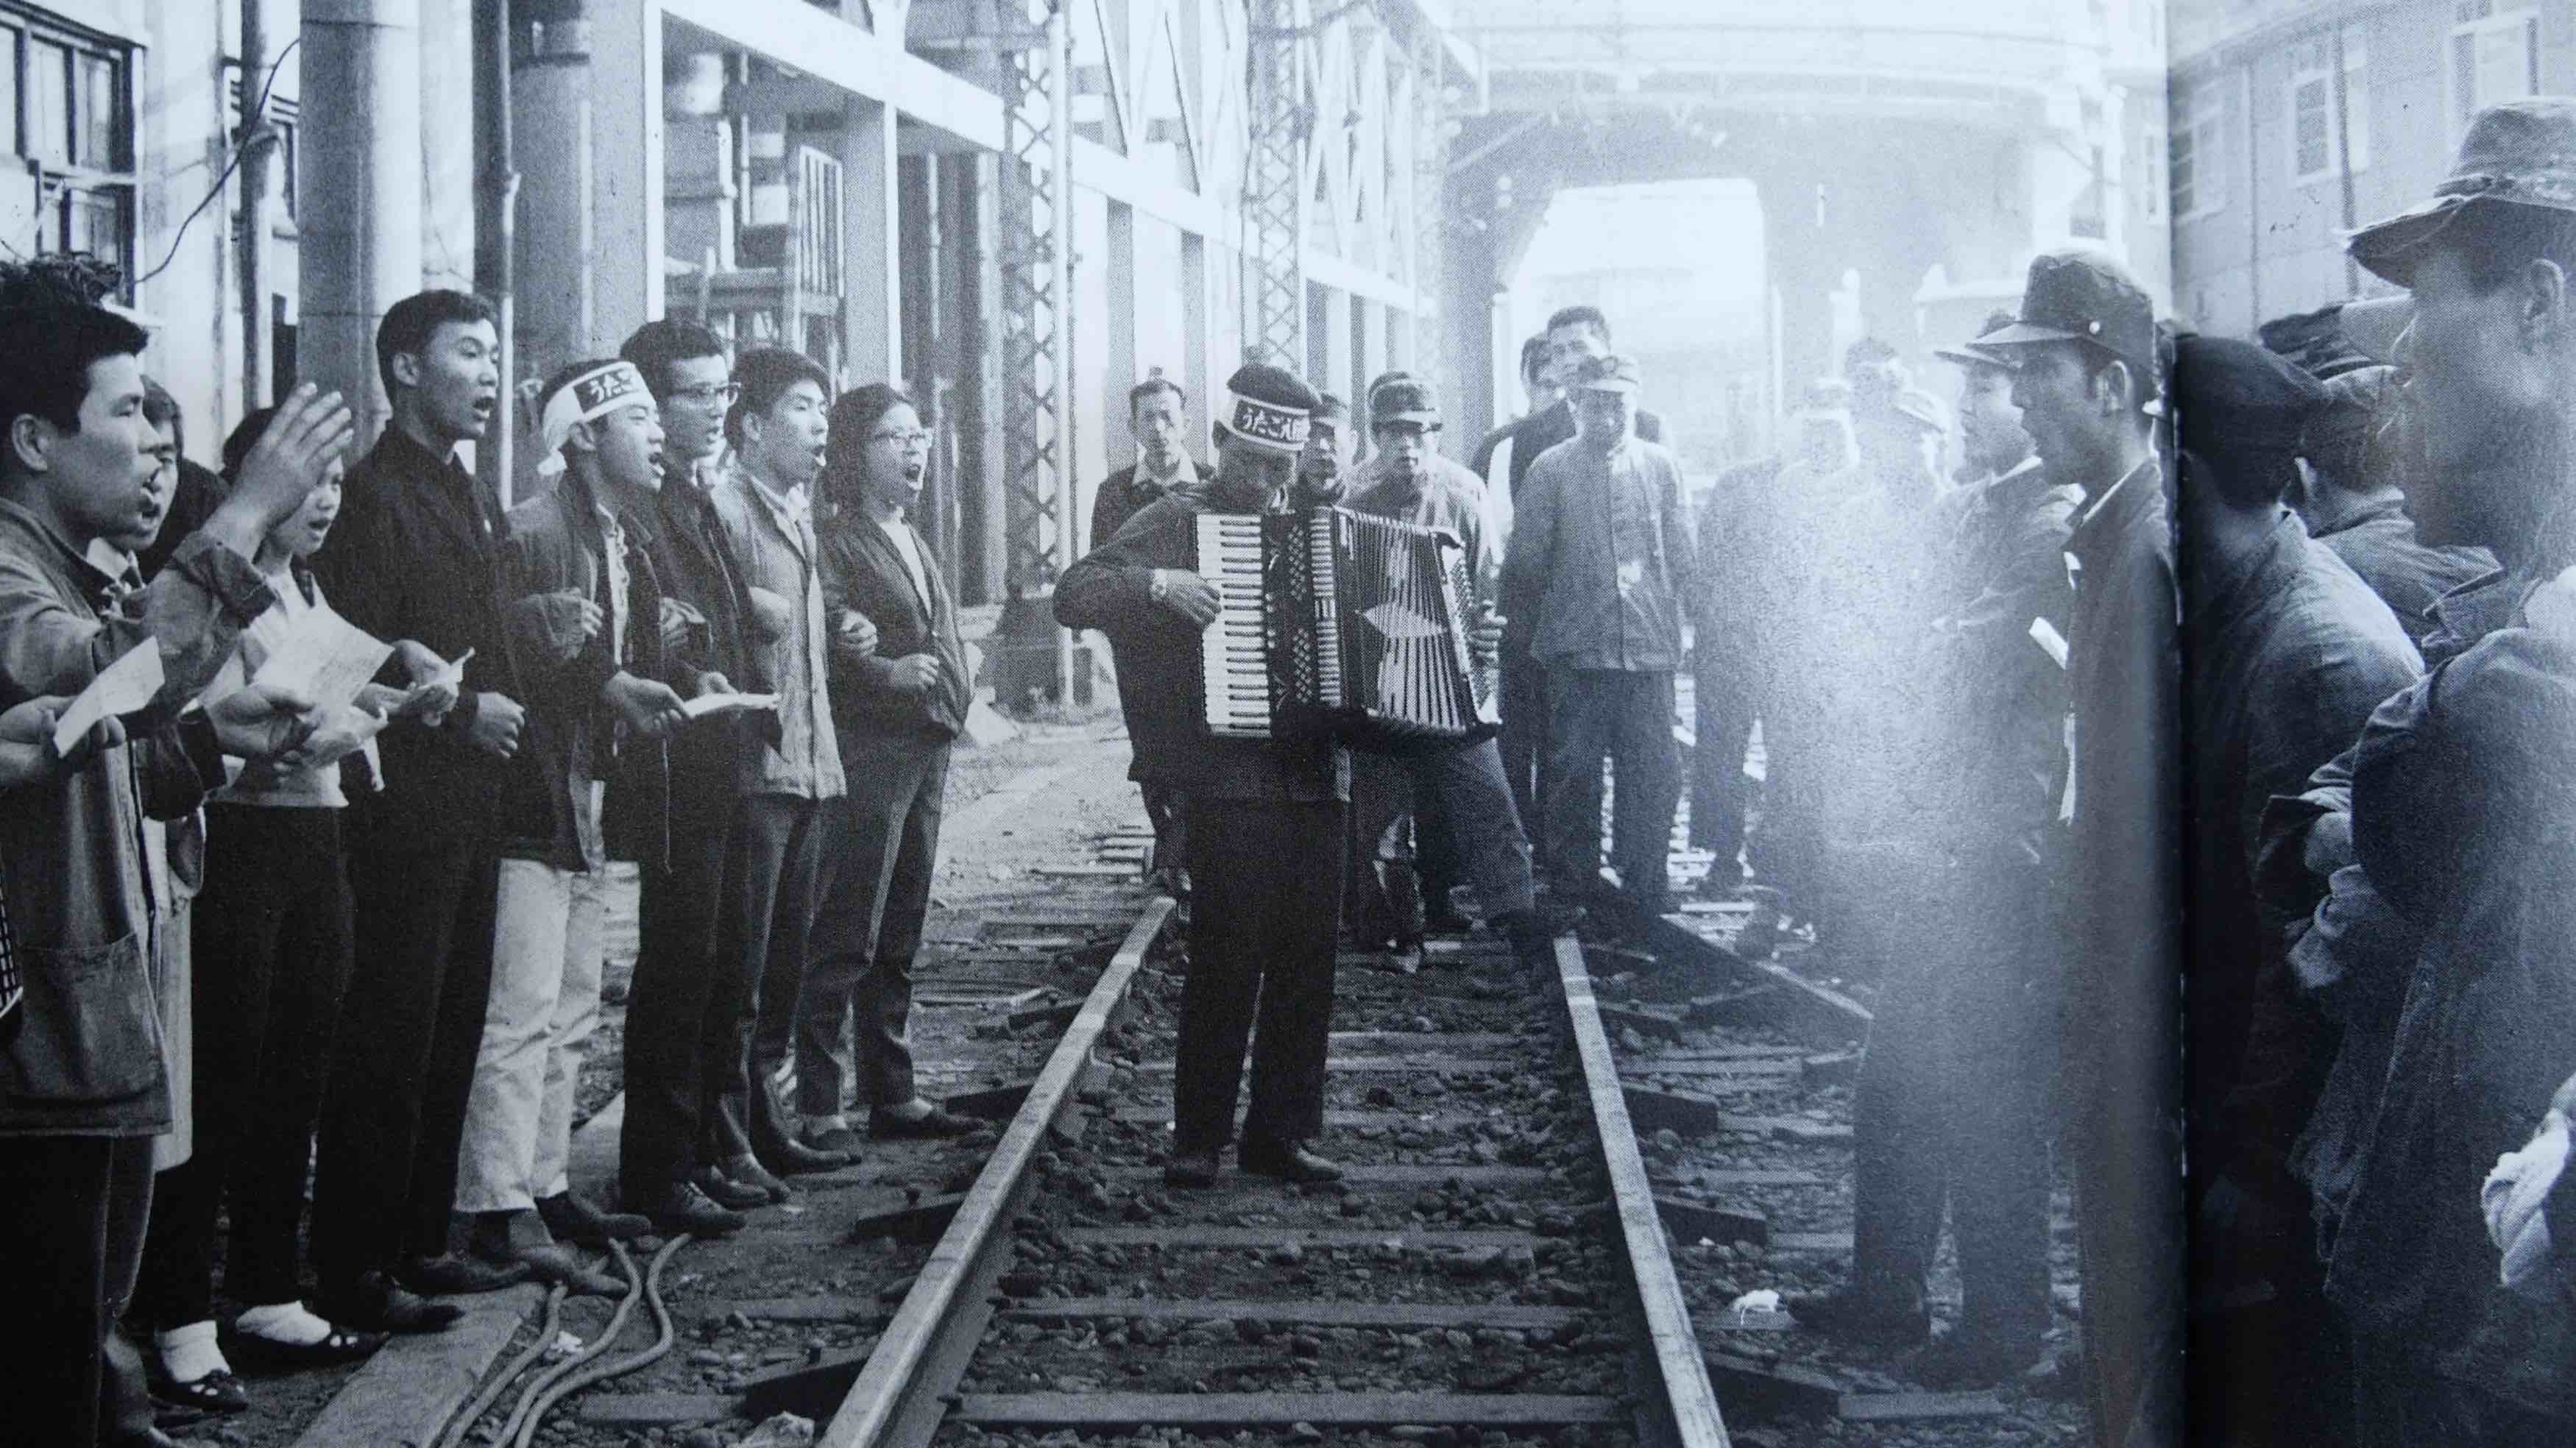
(2312, 62)
(60, 180)
(2491, 17)
(2197, 115)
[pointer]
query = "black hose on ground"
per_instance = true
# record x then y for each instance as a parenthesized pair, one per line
(665, 1336)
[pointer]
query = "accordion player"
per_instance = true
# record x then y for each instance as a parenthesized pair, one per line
(1339, 625)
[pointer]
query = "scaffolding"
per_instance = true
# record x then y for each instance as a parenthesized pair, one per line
(1035, 256)
(1274, 189)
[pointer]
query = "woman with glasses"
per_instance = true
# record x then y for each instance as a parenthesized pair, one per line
(897, 701)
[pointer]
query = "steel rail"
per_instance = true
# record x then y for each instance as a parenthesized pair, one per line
(903, 1389)
(1676, 1403)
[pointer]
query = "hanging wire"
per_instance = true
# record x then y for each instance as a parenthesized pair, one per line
(260, 111)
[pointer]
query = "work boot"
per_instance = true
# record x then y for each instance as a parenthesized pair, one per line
(746, 1171)
(1289, 1161)
(376, 1303)
(1857, 1314)
(685, 1210)
(451, 1274)
(938, 1121)
(520, 1238)
(571, 1219)
(713, 1182)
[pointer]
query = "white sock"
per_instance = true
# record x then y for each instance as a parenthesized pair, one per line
(189, 1353)
(287, 1322)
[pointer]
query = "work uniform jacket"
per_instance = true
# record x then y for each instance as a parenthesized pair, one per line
(773, 543)
(1602, 552)
(557, 557)
(1531, 437)
(88, 1056)
(2287, 652)
(2463, 790)
(1111, 589)
(863, 572)
(417, 554)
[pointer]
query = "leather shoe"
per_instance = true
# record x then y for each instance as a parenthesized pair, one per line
(1287, 1160)
(840, 1141)
(449, 1275)
(746, 1171)
(938, 1121)
(686, 1210)
(1863, 1316)
(711, 1182)
(555, 1262)
(1190, 1170)
(572, 1219)
(376, 1303)
(785, 1156)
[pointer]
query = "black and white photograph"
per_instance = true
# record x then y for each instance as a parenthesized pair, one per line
(1288, 723)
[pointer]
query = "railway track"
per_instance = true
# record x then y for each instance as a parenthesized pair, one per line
(1492, 1265)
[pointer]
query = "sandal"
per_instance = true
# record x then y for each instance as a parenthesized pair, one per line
(217, 1392)
(267, 1354)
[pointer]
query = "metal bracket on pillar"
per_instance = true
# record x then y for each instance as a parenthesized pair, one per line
(1274, 192)
(1033, 244)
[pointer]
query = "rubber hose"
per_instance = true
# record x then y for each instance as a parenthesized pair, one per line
(593, 1376)
(521, 1426)
(547, 1327)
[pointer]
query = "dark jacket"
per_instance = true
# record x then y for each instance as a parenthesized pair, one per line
(693, 563)
(863, 572)
(1122, 497)
(557, 551)
(1731, 561)
(2124, 677)
(2377, 540)
(87, 1056)
(2461, 800)
(2287, 653)
(1158, 650)
(417, 554)
(2005, 698)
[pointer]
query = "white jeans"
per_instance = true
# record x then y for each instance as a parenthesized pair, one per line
(546, 954)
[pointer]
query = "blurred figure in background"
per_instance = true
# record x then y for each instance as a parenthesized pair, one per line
(2359, 453)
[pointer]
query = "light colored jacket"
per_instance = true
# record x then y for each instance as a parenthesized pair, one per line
(1603, 544)
(779, 556)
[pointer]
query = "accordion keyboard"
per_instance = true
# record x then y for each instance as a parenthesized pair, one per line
(1233, 652)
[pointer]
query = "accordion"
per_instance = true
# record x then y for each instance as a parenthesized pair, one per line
(1338, 625)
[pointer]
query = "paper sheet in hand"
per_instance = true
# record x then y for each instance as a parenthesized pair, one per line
(2045, 634)
(706, 704)
(121, 688)
(324, 660)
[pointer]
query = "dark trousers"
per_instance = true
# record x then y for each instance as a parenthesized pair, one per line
(1722, 714)
(1164, 810)
(411, 1021)
(1268, 880)
(1788, 852)
(72, 1216)
(1951, 1107)
(875, 899)
(1524, 750)
(685, 1009)
(2127, 1160)
(770, 885)
(1627, 716)
(1422, 819)
(273, 948)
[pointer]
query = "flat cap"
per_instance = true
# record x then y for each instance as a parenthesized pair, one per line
(1403, 397)
(2232, 396)
(2082, 296)
(2520, 153)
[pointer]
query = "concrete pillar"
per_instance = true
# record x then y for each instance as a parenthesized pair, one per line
(557, 257)
(1370, 321)
(1400, 326)
(1118, 437)
(361, 252)
(1199, 345)
(872, 278)
(625, 168)
(447, 156)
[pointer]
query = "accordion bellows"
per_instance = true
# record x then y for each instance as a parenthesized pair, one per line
(1343, 626)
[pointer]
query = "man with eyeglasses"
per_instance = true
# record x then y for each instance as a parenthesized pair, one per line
(682, 1010)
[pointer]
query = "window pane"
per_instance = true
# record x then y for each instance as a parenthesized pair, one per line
(9, 92)
(49, 110)
(2310, 110)
(94, 221)
(98, 114)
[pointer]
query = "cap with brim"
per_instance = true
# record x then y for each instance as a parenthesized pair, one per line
(1969, 354)
(1607, 374)
(1922, 409)
(1401, 397)
(2520, 153)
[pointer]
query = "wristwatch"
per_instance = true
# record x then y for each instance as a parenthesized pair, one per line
(1161, 586)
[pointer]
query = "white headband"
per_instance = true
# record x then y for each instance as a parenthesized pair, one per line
(592, 394)
(1266, 424)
